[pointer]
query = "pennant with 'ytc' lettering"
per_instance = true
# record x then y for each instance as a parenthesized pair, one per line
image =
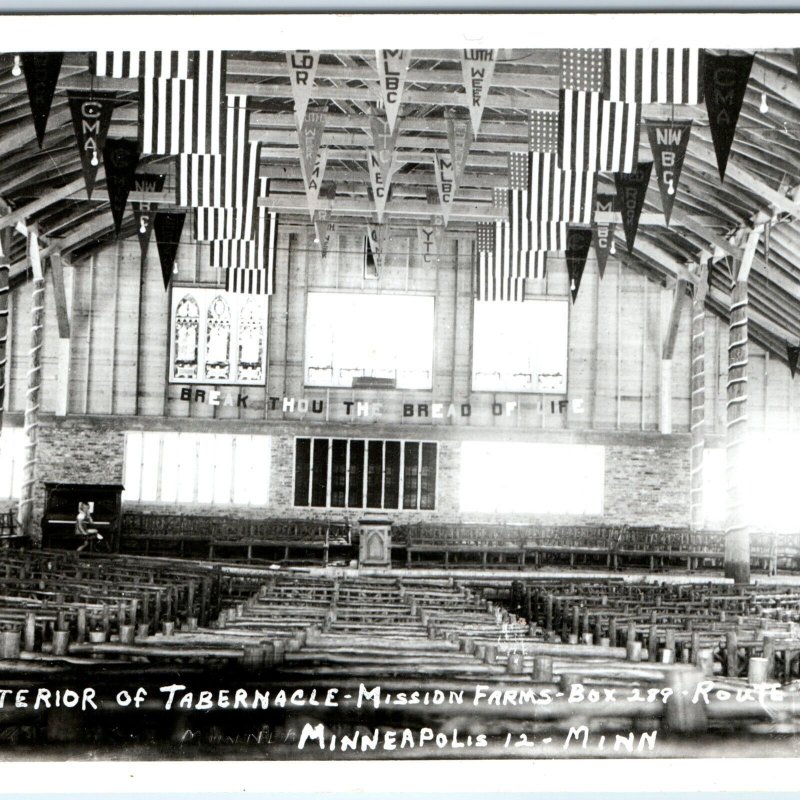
(445, 183)
(41, 76)
(477, 68)
(631, 191)
(302, 66)
(392, 69)
(668, 142)
(725, 82)
(91, 117)
(143, 212)
(168, 226)
(603, 231)
(430, 240)
(120, 159)
(579, 240)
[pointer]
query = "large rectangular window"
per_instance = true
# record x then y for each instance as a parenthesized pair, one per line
(357, 336)
(520, 347)
(535, 478)
(12, 458)
(202, 468)
(359, 473)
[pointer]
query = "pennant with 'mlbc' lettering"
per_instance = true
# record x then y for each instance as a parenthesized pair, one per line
(579, 241)
(120, 159)
(668, 141)
(91, 117)
(41, 76)
(168, 226)
(603, 232)
(725, 82)
(143, 212)
(793, 353)
(459, 141)
(392, 69)
(313, 180)
(445, 183)
(631, 191)
(302, 65)
(430, 239)
(323, 229)
(477, 69)
(379, 181)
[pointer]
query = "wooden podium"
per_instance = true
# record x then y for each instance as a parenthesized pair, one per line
(375, 542)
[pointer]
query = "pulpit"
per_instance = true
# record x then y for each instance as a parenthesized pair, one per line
(61, 512)
(375, 542)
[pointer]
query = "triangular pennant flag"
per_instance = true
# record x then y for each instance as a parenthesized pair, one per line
(445, 183)
(41, 77)
(120, 158)
(668, 142)
(143, 212)
(35, 256)
(603, 232)
(313, 180)
(323, 229)
(384, 142)
(379, 181)
(302, 66)
(477, 68)
(459, 141)
(168, 226)
(631, 191)
(392, 69)
(373, 250)
(91, 117)
(579, 240)
(724, 82)
(430, 240)
(310, 136)
(793, 354)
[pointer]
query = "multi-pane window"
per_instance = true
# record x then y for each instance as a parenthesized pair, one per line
(365, 473)
(217, 337)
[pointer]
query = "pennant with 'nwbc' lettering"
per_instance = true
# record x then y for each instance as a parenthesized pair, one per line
(459, 141)
(41, 76)
(392, 69)
(477, 68)
(579, 240)
(603, 231)
(143, 212)
(91, 116)
(302, 65)
(168, 226)
(631, 191)
(793, 353)
(725, 82)
(445, 183)
(668, 142)
(120, 158)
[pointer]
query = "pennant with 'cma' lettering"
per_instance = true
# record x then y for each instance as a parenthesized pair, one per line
(168, 226)
(323, 229)
(120, 159)
(379, 181)
(41, 76)
(91, 117)
(143, 212)
(631, 191)
(725, 82)
(579, 240)
(477, 68)
(603, 232)
(793, 353)
(668, 142)
(313, 180)
(445, 183)
(302, 65)
(392, 69)
(459, 141)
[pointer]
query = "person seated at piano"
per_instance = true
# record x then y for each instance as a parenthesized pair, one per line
(83, 529)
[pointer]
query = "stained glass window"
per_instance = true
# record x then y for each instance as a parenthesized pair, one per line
(187, 338)
(251, 342)
(218, 340)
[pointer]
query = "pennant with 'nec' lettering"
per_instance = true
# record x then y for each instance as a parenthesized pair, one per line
(379, 181)
(793, 353)
(41, 76)
(384, 141)
(668, 142)
(603, 232)
(392, 69)
(302, 66)
(477, 69)
(631, 191)
(168, 226)
(120, 159)
(579, 241)
(91, 117)
(459, 141)
(445, 183)
(725, 82)
(143, 212)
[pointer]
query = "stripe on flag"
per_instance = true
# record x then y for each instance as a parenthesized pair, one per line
(652, 74)
(530, 234)
(142, 63)
(216, 181)
(245, 261)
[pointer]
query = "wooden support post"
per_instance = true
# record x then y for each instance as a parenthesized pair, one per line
(5, 262)
(61, 274)
(698, 401)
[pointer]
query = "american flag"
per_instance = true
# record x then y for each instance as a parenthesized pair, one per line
(501, 270)
(652, 74)
(213, 224)
(594, 135)
(142, 63)
(218, 181)
(250, 265)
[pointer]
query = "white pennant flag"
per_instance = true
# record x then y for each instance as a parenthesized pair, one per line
(392, 68)
(313, 180)
(430, 239)
(323, 228)
(302, 65)
(477, 67)
(379, 181)
(310, 137)
(445, 183)
(459, 141)
(384, 141)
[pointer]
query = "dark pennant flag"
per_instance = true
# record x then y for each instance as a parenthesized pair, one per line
(793, 354)
(120, 158)
(91, 116)
(668, 142)
(41, 76)
(631, 191)
(168, 226)
(579, 240)
(143, 212)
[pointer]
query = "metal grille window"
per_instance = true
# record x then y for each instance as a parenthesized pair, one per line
(365, 473)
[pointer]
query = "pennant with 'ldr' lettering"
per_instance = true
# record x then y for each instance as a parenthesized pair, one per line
(477, 69)
(668, 142)
(120, 159)
(392, 69)
(143, 212)
(91, 117)
(41, 76)
(168, 226)
(631, 191)
(603, 232)
(302, 65)
(579, 240)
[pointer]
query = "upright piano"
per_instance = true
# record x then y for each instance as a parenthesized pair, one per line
(61, 512)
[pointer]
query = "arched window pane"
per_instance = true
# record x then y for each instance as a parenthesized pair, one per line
(218, 340)
(187, 339)
(251, 342)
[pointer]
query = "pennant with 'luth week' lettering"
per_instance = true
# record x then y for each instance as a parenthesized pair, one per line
(445, 183)
(91, 117)
(603, 231)
(143, 212)
(379, 181)
(41, 76)
(120, 159)
(579, 240)
(168, 226)
(668, 142)
(313, 181)
(631, 191)
(323, 229)
(725, 82)
(392, 69)
(793, 353)
(459, 141)
(302, 66)
(310, 138)
(477, 69)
